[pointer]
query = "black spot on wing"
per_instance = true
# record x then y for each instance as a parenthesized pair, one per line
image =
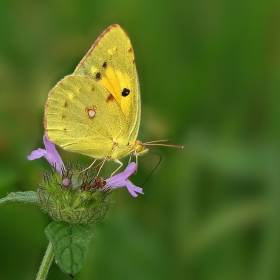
(98, 76)
(125, 92)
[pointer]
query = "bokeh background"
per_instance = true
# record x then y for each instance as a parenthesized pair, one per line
(210, 80)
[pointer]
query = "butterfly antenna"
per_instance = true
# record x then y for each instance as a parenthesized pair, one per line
(158, 143)
(160, 158)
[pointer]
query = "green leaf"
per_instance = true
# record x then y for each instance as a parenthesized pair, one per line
(19, 197)
(70, 243)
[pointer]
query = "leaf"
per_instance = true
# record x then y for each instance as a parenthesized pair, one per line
(70, 243)
(19, 197)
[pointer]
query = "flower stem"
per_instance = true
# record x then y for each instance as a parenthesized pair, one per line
(46, 263)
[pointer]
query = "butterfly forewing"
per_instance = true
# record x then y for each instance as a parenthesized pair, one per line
(110, 62)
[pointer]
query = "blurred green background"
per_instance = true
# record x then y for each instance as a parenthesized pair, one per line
(209, 74)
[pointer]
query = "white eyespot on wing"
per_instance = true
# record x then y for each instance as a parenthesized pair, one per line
(91, 112)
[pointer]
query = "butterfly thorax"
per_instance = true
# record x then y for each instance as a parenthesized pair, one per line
(137, 148)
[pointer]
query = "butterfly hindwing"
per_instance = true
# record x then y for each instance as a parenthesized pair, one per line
(82, 116)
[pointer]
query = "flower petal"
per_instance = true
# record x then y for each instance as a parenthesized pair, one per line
(37, 154)
(121, 180)
(50, 154)
(118, 180)
(133, 189)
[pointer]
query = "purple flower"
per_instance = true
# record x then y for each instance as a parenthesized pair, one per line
(50, 154)
(118, 181)
(121, 180)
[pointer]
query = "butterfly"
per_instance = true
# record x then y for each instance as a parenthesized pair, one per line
(96, 110)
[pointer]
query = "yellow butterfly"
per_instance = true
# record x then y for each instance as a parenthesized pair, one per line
(96, 110)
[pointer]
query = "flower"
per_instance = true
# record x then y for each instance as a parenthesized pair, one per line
(121, 180)
(118, 181)
(50, 154)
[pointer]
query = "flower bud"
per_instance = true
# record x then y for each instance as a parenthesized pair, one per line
(74, 195)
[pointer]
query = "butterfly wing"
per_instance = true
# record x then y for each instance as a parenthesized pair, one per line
(82, 116)
(110, 62)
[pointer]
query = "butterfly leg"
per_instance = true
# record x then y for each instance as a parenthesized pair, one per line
(120, 166)
(136, 159)
(102, 163)
(89, 166)
(129, 160)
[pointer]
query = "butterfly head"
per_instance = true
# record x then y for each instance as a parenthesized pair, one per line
(140, 148)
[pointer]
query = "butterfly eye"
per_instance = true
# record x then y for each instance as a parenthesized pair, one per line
(125, 92)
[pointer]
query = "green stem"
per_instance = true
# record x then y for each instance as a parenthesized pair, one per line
(46, 263)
